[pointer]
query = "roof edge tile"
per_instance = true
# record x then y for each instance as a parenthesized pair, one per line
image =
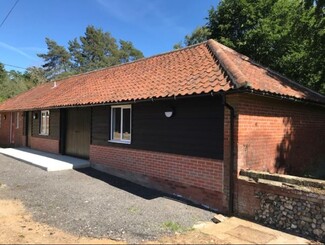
(238, 78)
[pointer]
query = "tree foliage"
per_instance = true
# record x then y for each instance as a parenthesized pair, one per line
(57, 59)
(96, 49)
(285, 35)
(200, 34)
(14, 82)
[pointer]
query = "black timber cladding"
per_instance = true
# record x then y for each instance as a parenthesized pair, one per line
(196, 129)
(54, 131)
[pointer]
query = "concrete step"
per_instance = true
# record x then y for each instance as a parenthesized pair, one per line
(45, 160)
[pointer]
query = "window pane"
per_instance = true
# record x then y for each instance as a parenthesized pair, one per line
(42, 123)
(47, 124)
(17, 120)
(116, 123)
(126, 124)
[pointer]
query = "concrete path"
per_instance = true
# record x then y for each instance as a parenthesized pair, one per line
(238, 231)
(44, 160)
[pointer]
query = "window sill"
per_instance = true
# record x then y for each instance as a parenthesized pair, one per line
(126, 142)
(44, 134)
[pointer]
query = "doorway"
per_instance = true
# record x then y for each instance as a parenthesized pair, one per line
(77, 140)
(28, 128)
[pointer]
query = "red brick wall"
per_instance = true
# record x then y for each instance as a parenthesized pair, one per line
(44, 144)
(278, 136)
(5, 129)
(226, 155)
(198, 179)
(17, 133)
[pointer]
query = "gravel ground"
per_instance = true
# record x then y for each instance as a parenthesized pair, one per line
(94, 204)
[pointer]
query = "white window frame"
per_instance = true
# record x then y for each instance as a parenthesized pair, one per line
(17, 120)
(121, 140)
(47, 128)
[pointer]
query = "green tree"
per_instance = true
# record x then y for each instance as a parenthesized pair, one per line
(35, 75)
(285, 35)
(14, 82)
(200, 34)
(57, 59)
(77, 57)
(3, 73)
(98, 49)
(17, 83)
(3, 82)
(178, 45)
(127, 52)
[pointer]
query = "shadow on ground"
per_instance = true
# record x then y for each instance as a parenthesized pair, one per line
(135, 189)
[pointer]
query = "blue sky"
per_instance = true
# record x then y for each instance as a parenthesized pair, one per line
(153, 26)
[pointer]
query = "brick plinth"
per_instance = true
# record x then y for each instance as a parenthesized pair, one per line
(44, 144)
(197, 179)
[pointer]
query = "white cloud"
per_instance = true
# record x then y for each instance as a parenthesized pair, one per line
(17, 50)
(34, 49)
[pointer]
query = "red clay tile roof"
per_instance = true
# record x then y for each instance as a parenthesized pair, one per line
(203, 68)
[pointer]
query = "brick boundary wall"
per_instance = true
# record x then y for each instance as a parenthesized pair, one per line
(299, 210)
(278, 136)
(44, 144)
(197, 179)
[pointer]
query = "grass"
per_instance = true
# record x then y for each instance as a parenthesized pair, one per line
(174, 227)
(133, 210)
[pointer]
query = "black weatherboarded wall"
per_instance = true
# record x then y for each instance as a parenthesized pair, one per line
(54, 131)
(196, 129)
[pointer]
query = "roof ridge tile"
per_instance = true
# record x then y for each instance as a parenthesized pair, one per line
(230, 67)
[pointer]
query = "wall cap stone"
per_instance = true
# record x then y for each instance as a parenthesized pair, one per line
(288, 180)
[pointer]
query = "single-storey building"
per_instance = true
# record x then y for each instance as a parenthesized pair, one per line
(185, 122)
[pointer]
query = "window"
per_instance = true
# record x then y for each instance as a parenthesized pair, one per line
(17, 120)
(45, 123)
(121, 124)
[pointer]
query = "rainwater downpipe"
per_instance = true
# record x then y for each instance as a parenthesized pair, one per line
(232, 156)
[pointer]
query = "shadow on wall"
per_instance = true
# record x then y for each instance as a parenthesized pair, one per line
(302, 149)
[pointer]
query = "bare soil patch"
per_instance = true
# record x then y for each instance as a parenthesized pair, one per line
(18, 227)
